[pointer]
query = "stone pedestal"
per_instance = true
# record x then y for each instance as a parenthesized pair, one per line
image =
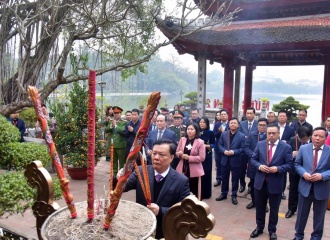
(132, 221)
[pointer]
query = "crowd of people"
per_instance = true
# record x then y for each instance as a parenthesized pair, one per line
(263, 149)
(179, 149)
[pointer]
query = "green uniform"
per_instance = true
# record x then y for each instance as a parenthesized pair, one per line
(116, 134)
(179, 131)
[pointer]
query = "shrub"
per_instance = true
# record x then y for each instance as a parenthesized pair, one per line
(29, 117)
(16, 155)
(71, 135)
(16, 195)
(8, 132)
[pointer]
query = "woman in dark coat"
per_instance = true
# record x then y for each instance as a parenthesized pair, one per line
(207, 136)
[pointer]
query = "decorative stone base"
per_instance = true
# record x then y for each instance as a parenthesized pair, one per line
(131, 222)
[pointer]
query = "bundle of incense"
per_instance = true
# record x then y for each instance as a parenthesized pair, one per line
(91, 106)
(137, 144)
(64, 182)
(145, 185)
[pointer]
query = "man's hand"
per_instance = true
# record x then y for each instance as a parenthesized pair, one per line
(307, 176)
(316, 177)
(264, 168)
(228, 152)
(294, 154)
(273, 169)
(130, 128)
(149, 152)
(113, 123)
(154, 208)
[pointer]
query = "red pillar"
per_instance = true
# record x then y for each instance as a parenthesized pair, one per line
(248, 86)
(228, 87)
(326, 89)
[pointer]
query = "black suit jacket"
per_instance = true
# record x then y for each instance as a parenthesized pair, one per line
(21, 127)
(174, 190)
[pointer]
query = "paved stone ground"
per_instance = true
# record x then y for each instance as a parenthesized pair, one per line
(232, 222)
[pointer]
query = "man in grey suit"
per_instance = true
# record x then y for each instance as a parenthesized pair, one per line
(313, 165)
(167, 186)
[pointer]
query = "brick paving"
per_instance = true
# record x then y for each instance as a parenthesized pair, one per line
(232, 222)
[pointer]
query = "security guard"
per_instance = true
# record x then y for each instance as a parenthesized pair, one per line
(116, 128)
(177, 125)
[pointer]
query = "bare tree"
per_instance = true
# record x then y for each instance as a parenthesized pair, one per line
(48, 43)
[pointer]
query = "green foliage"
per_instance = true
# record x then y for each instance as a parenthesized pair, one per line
(71, 136)
(8, 132)
(192, 102)
(29, 117)
(16, 195)
(16, 155)
(290, 106)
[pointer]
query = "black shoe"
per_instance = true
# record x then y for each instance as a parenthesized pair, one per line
(283, 196)
(217, 183)
(234, 200)
(289, 214)
(249, 190)
(272, 236)
(221, 197)
(267, 209)
(256, 232)
(250, 205)
(241, 189)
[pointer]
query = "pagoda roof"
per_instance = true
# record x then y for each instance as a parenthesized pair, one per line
(266, 9)
(296, 33)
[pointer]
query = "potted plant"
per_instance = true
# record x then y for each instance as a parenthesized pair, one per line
(71, 133)
(263, 102)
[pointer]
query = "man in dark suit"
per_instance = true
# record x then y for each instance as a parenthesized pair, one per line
(250, 144)
(286, 133)
(19, 123)
(302, 137)
(313, 166)
(302, 115)
(231, 147)
(273, 159)
(171, 188)
(218, 129)
(161, 133)
(246, 127)
(271, 117)
(153, 125)
(131, 129)
(194, 115)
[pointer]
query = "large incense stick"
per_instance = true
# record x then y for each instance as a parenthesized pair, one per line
(91, 144)
(140, 136)
(64, 182)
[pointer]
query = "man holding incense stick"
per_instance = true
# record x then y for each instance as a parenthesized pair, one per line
(167, 186)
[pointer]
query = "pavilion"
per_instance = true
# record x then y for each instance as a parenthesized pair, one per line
(264, 33)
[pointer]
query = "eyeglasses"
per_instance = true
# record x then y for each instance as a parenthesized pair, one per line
(262, 125)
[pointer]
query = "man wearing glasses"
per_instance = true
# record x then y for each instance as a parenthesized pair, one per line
(250, 144)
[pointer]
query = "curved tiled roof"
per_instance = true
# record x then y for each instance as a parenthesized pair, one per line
(275, 31)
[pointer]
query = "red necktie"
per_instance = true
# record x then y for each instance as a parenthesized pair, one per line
(270, 153)
(316, 152)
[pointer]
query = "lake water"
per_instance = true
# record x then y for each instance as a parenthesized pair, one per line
(314, 112)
